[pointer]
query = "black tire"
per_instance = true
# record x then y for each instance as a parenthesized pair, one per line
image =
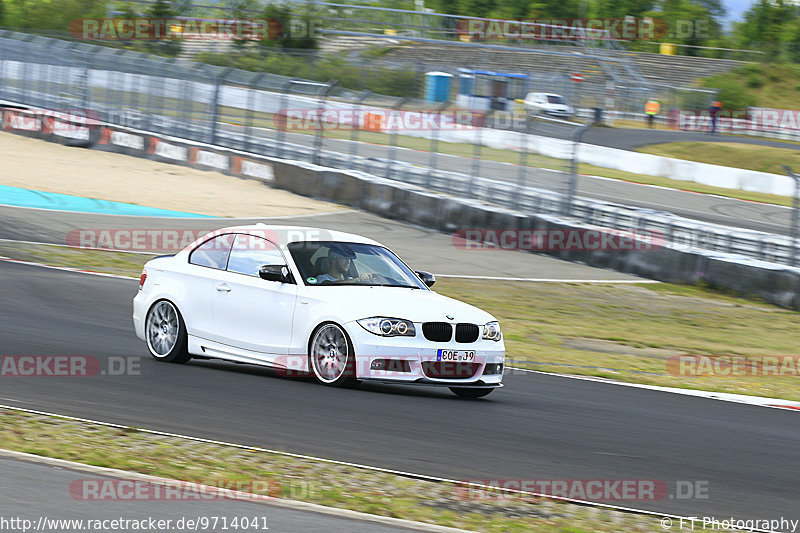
(331, 358)
(165, 333)
(470, 392)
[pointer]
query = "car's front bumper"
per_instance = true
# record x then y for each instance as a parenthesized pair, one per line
(417, 357)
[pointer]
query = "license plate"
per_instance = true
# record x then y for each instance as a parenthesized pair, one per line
(457, 356)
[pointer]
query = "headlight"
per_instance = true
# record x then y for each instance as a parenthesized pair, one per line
(388, 327)
(491, 331)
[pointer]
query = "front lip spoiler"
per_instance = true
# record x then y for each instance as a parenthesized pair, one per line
(425, 381)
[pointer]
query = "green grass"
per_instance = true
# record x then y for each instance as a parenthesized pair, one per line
(737, 155)
(630, 332)
(624, 332)
(775, 85)
(108, 262)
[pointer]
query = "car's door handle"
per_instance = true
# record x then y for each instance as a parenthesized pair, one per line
(223, 288)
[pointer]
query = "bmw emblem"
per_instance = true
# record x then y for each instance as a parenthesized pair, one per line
(449, 317)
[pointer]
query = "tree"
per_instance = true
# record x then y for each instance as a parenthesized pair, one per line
(553, 9)
(163, 10)
(620, 9)
(449, 7)
(475, 8)
(763, 27)
(289, 30)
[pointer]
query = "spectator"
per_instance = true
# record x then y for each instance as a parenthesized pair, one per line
(651, 109)
(716, 107)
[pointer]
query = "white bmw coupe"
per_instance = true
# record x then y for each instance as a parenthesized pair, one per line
(341, 307)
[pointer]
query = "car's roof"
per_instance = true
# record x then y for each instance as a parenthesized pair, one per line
(284, 234)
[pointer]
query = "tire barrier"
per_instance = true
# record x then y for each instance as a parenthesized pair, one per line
(68, 127)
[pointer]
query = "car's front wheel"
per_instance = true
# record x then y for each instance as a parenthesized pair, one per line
(470, 392)
(331, 355)
(166, 333)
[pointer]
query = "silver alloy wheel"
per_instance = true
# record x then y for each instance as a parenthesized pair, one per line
(162, 329)
(329, 353)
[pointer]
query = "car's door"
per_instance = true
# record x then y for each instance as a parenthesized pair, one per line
(206, 262)
(249, 312)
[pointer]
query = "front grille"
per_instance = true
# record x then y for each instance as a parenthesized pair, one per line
(449, 370)
(437, 331)
(466, 332)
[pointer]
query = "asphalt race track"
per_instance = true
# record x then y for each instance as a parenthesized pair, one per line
(537, 427)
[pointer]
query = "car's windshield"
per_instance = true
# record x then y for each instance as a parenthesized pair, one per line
(347, 263)
(555, 99)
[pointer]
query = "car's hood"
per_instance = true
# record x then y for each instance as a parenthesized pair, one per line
(353, 303)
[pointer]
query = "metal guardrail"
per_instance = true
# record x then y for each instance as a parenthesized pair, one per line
(184, 100)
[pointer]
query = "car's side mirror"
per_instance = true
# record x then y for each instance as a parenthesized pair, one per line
(426, 277)
(278, 273)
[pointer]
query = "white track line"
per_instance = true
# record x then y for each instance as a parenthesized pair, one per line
(228, 494)
(760, 401)
(411, 475)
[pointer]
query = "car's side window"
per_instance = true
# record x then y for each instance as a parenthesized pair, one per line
(213, 253)
(249, 253)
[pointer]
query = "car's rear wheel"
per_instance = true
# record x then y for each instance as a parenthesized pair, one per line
(166, 333)
(331, 355)
(470, 392)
